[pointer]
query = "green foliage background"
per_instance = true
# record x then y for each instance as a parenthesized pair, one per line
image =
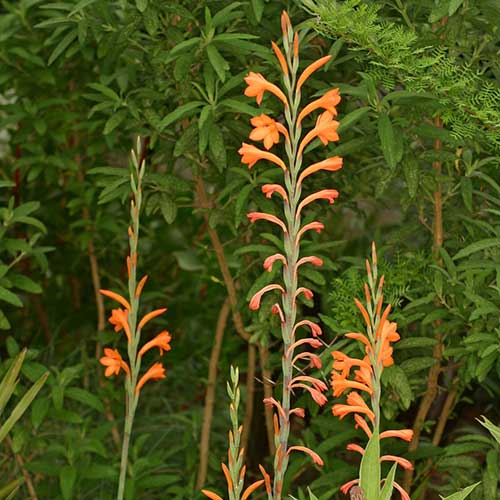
(420, 113)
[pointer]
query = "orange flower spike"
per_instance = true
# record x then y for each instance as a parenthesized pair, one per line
(310, 70)
(250, 155)
(212, 496)
(325, 128)
(150, 316)
(140, 286)
(162, 341)
(252, 488)
(117, 297)
(155, 372)
(113, 362)
(281, 58)
(257, 85)
(229, 481)
(327, 102)
(330, 164)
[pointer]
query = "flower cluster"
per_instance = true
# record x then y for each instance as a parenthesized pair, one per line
(270, 131)
(376, 343)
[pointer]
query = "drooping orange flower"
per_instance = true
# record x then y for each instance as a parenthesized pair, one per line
(255, 300)
(269, 262)
(257, 85)
(405, 434)
(340, 384)
(325, 194)
(119, 319)
(316, 458)
(269, 189)
(255, 216)
(328, 102)
(162, 341)
(148, 317)
(268, 130)
(250, 155)
(155, 372)
(355, 404)
(113, 362)
(116, 296)
(325, 129)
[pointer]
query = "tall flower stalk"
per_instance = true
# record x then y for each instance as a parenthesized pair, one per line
(270, 131)
(126, 319)
(376, 343)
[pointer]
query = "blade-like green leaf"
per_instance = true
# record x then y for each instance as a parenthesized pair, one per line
(180, 112)
(369, 473)
(9, 380)
(386, 493)
(477, 246)
(462, 494)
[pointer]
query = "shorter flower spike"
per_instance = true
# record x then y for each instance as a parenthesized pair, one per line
(316, 458)
(154, 373)
(330, 164)
(113, 362)
(148, 317)
(257, 85)
(255, 300)
(115, 296)
(255, 216)
(250, 155)
(269, 189)
(310, 70)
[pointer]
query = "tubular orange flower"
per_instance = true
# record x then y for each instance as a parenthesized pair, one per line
(257, 85)
(267, 479)
(250, 155)
(310, 70)
(211, 495)
(406, 464)
(140, 286)
(155, 372)
(341, 384)
(281, 58)
(269, 189)
(355, 404)
(359, 336)
(255, 216)
(355, 447)
(162, 341)
(405, 434)
(307, 293)
(114, 362)
(345, 363)
(119, 318)
(276, 309)
(252, 488)
(255, 300)
(361, 422)
(148, 317)
(319, 398)
(268, 130)
(300, 412)
(330, 164)
(402, 492)
(315, 261)
(314, 343)
(325, 129)
(327, 102)
(117, 297)
(285, 23)
(316, 458)
(229, 481)
(270, 402)
(315, 329)
(325, 194)
(363, 312)
(314, 226)
(268, 263)
(347, 486)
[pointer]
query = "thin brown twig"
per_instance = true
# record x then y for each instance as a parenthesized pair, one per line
(210, 393)
(26, 474)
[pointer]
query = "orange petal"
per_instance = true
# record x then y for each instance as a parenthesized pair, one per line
(150, 316)
(310, 70)
(117, 297)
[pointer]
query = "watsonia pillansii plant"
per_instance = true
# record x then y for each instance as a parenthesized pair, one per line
(125, 318)
(376, 343)
(295, 178)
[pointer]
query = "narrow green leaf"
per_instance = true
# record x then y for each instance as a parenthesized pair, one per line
(351, 118)
(219, 64)
(9, 489)
(217, 147)
(390, 141)
(241, 202)
(369, 473)
(183, 46)
(461, 495)
(114, 120)
(22, 406)
(494, 429)
(9, 380)
(180, 112)
(386, 493)
(477, 246)
(454, 6)
(80, 6)
(168, 208)
(141, 5)
(67, 477)
(84, 397)
(63, 45)
(9, 297)
(107, 91)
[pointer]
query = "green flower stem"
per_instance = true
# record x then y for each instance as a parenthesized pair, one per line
(131, 397)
